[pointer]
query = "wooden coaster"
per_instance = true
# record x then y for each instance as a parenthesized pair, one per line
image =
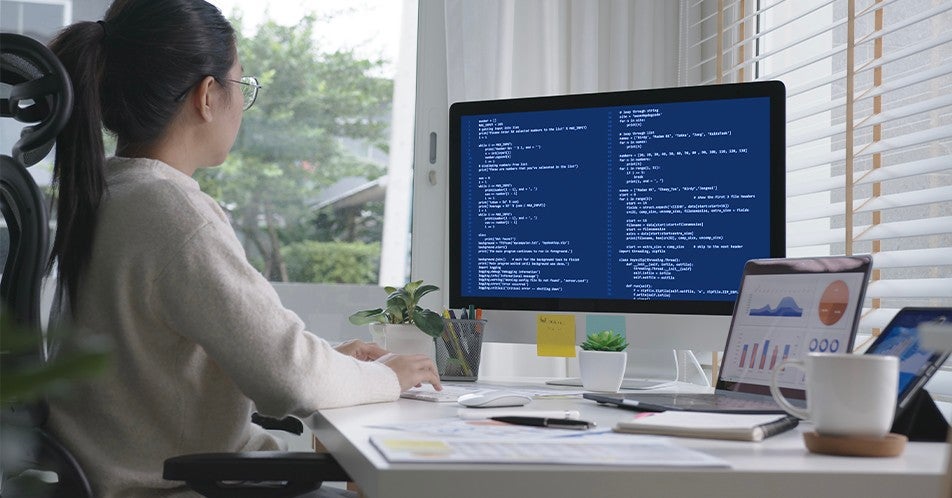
(889, 445)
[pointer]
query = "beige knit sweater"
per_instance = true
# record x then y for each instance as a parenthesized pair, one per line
(199, 335)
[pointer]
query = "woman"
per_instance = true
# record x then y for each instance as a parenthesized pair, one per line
(144, 256)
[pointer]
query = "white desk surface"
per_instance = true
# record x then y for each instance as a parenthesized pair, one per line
(778, 467)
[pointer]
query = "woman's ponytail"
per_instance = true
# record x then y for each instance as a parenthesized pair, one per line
(80, 155)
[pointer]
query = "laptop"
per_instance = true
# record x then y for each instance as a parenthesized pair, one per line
(785, 308)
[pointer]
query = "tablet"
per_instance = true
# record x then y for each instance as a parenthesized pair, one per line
(901, 338)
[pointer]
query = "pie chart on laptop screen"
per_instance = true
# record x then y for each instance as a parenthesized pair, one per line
(833, 302)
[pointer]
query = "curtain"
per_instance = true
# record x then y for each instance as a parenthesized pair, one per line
(520, 48)
(869, 127)
(523, 48)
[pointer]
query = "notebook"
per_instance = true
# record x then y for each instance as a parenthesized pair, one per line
(785, 308)
(732, 426)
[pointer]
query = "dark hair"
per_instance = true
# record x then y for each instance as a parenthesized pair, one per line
(128, 73)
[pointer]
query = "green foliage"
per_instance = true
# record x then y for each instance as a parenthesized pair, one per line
(310, 97)
(402, 307)
(352, 224)
(289, 147)
(24, 378)
(606, 340)
(332, 262)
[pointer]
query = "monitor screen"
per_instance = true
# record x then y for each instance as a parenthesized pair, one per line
(646, 201)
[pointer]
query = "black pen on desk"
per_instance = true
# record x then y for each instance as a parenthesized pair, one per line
(553, 423)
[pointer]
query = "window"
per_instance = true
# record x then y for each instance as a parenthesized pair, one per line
(869, 127)
(35, 18)
(308, 179)
(334, 198)
(306, 183)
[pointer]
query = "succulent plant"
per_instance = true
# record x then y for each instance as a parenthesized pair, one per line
(606, 340)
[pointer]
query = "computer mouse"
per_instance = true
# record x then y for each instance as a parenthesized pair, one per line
(493, 399)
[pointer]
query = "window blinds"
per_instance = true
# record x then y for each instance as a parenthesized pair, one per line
(869, 127)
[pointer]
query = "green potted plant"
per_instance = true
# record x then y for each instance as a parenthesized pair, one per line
(606, 340)
(25, 378)
(403, 326)
(602, 361)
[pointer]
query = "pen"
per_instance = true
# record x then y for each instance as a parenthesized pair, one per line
(554, 423)
(455, 337)
(447, 330)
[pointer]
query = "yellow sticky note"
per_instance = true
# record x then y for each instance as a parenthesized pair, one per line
(417, 445)
(555, 335)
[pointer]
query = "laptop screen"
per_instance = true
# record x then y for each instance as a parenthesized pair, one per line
(787, 308)
(900, 338)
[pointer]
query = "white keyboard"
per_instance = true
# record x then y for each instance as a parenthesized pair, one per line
(449, 394)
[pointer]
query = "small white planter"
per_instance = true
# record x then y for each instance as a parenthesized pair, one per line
(602, 370)
(403, 339)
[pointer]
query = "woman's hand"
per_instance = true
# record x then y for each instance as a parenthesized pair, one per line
(364, 351)
(413, 370)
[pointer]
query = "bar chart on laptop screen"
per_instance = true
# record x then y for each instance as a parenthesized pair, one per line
(785, 317)
(754, 358)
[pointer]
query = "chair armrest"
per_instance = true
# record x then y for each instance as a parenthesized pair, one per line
(286, 424)
(239, 475)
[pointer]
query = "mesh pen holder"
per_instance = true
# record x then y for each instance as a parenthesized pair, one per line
(458, 349)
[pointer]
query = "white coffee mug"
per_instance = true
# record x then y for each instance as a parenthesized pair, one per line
(847, 394)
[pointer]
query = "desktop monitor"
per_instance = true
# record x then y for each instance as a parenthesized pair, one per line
(642, 203)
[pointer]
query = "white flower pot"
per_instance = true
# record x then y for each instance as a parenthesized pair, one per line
(403, 339)
(602, 370)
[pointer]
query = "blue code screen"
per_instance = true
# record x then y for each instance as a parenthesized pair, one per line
(648, 202)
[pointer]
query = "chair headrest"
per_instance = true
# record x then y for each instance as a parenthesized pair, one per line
(40, 92)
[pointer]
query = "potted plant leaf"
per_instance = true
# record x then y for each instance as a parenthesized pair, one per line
(602, 361)
(403, 326)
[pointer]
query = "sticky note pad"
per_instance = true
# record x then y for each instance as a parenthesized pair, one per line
(555, 335)
(598, 323)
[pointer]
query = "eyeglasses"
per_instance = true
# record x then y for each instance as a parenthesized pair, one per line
(249, 90)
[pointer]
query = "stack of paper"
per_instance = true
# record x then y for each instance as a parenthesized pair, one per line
(654, 453)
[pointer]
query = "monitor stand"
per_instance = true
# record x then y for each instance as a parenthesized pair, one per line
(647, 369)
(627, 383)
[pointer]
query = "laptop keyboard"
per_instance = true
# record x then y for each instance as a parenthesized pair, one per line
(717, 401)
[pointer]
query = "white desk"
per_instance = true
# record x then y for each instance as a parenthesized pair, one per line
(776, 468)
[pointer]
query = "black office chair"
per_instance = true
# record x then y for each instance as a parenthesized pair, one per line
(40, 93)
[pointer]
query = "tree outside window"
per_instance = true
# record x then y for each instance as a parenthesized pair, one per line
(320, 126)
